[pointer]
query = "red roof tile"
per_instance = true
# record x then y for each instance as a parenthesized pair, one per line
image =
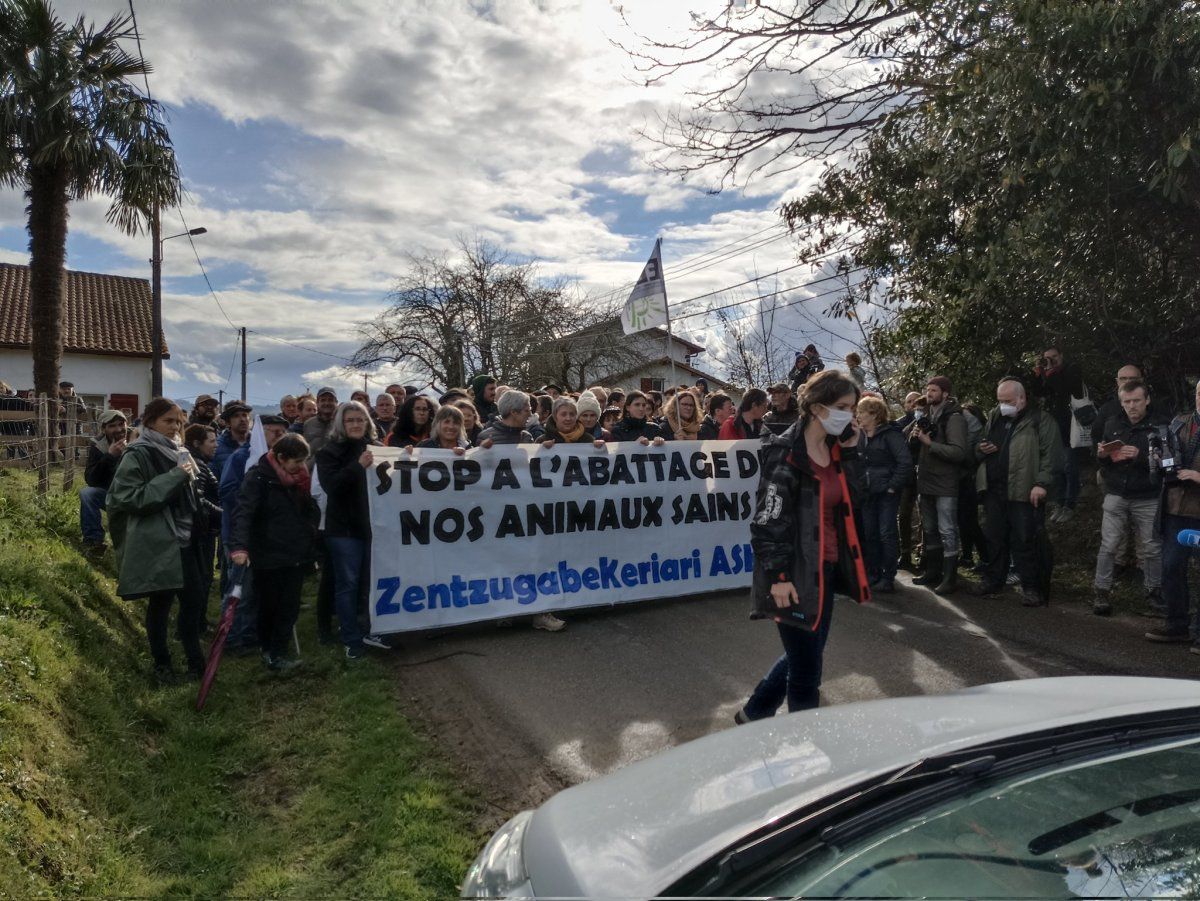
(104, 314)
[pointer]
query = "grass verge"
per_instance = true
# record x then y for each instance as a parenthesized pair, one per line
(309, 784)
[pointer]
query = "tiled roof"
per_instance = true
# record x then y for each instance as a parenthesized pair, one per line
(103, 314)
(713, 381)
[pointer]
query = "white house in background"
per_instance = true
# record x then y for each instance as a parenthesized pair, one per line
(642, 360)
(106, 346)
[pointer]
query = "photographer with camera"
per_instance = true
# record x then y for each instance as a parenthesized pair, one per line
(1179, 511)
(1130, 455)
(942, 436)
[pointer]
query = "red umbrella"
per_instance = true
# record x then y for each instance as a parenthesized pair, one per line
(218, 644)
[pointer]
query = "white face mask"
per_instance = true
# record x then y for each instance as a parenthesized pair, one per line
(918, 414)
(1008, 410)
(835, 421)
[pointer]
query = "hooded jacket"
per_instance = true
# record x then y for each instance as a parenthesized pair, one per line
(788, 532)
(709, 430)
(145, 493)
(888, 463)
(486, 409)
(941, 464)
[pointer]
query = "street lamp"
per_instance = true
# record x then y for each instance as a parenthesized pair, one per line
(156, 378)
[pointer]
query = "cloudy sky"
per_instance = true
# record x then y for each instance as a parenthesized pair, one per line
(321, 141)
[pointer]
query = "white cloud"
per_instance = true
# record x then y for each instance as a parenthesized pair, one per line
(423, 121)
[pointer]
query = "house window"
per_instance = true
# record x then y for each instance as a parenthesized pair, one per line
(653, 384)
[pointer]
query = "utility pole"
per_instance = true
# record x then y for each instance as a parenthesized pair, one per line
(221, 399)
(156, 360)
(243, 331)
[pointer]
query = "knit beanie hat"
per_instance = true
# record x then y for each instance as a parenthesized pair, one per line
(940, 381)
(587, 403)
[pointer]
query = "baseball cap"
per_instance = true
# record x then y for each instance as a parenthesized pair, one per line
(326, 390)
(205, 399)
(236, 406)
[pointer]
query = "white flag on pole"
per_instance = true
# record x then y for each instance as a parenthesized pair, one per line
(647, 304)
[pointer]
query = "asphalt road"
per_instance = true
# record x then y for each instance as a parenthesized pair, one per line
(531, 712)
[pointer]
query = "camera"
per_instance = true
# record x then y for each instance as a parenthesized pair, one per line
(923, 425)
(1161, 459)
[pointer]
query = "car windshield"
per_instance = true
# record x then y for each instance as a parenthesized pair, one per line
(1126, 825)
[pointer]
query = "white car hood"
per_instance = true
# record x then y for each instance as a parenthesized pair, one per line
(632, 833)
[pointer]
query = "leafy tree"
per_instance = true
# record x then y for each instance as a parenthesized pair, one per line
(72, 124)
(1000, 173)
(1049, 193)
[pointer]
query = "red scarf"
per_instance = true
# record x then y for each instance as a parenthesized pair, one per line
(300, 478)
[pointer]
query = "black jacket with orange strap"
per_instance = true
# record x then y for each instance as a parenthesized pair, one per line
(787, 531)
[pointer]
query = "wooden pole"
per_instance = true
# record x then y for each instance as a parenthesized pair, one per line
(69, 451)
(43, 446)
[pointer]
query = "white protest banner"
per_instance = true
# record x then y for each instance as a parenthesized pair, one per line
(522, 529)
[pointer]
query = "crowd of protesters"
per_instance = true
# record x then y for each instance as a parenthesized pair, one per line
(192, 492)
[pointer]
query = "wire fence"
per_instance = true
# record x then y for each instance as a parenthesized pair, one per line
(41, 433)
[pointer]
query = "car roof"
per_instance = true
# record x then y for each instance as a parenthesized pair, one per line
(636, 831)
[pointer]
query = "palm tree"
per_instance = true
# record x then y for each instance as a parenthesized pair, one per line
(73, 124)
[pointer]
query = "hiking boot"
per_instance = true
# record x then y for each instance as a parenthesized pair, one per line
(1155, 608)
(548, 622)
(949, 582)
(1102, 603)
(378, 642)
(1031, 598)
(1168, 636)
(95, 547)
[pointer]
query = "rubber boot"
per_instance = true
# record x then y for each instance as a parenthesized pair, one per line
(950, 580)
(933, 569)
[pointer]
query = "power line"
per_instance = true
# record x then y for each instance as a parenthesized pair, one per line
(300, 346)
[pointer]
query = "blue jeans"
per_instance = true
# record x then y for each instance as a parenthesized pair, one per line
(91, 502)
(882, 535)
(796, 676)
(1175, 559)
(244, 631)
(348, 560)
(939, 523)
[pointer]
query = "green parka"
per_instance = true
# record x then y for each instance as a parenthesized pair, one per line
(1035, 454)
(142, 524)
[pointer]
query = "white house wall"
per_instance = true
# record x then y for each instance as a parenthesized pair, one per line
(93, 374)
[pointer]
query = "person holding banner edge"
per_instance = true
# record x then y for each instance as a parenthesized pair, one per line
(810, 471)
(342, 468)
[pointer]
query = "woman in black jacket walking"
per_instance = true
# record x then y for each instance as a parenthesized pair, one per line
(809, 472)
(342, 468)
(274, 529)
(635, 424)
(889, 469)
